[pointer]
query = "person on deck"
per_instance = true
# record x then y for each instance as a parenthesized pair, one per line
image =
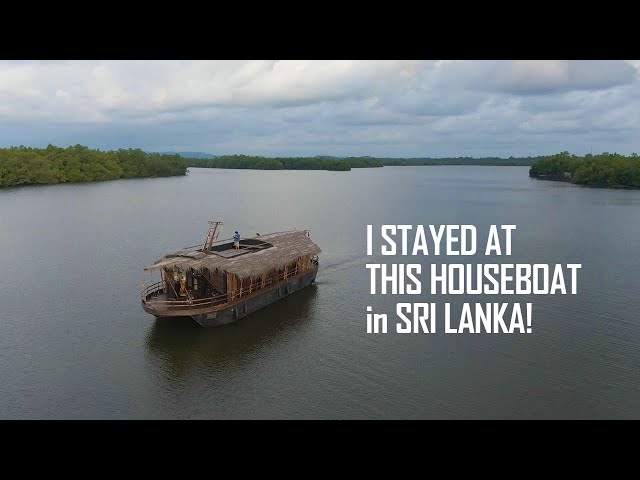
(236, 240)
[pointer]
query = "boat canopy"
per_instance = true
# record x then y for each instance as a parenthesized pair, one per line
(258, 256)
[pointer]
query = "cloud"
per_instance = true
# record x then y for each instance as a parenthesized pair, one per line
(392, 108)
(535, 77)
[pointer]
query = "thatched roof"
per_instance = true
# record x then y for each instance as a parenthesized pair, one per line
(287, 247)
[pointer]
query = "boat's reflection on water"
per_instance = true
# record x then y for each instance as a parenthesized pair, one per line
(182, 345)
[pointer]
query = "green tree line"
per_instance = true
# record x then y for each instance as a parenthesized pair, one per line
(487, 161)
(284, 163)
(51, 165)
(610, 170)
(344, 164)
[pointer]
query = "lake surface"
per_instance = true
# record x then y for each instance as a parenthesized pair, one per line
(76, 343)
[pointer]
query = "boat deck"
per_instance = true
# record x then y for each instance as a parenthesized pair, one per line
(249, 245)
(159, 298)
(232, 252)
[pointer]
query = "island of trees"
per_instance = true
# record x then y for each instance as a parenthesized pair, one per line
(610, 170)
(51, 165)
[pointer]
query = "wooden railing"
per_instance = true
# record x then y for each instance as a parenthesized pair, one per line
(157, 288)
(153, 290)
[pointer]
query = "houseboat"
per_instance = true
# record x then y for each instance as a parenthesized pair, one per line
(216, 283)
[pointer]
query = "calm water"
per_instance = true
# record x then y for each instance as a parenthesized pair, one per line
(76, 343)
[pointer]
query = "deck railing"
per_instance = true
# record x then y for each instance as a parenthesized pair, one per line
(157, 288)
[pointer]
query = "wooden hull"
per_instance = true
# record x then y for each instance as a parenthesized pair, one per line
(228, 313)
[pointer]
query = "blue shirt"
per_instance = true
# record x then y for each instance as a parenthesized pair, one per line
(236, 237)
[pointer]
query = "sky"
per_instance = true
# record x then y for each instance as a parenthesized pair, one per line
(431, 108)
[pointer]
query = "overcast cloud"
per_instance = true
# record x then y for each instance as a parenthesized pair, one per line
(378, 108)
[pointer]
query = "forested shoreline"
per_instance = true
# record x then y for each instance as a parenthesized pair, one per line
(53, 165)
(608, 170)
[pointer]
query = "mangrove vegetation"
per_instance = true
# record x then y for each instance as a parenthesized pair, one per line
(284, 163)
(486, 161)
(610, 170)
(345, 164)
(51, 165)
